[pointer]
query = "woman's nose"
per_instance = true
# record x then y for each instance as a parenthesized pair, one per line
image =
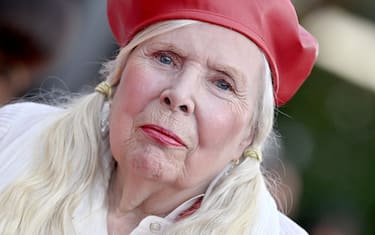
(178, 99)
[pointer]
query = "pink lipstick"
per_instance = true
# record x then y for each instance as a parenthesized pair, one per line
(162, 136)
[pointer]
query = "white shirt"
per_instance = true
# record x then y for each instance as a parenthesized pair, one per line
(25, 121)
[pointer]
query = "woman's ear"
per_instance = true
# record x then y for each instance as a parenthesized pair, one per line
(247, 141)
(244, 144)
(250, 136)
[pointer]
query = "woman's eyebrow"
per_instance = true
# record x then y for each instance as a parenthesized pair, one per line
(168, 47)
(229, 71)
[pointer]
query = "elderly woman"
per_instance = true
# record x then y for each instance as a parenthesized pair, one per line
(171, 141)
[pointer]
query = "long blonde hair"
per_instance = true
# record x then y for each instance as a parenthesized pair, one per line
(42, 201)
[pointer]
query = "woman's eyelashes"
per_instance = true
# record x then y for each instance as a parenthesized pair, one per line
(167, 58)
(223, 81)
(223, 85)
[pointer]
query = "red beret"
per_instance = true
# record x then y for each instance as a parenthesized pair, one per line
(272, 24)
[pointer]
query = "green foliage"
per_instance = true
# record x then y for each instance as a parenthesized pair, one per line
(330, 136)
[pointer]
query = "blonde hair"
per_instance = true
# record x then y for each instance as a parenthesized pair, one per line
(42, 201)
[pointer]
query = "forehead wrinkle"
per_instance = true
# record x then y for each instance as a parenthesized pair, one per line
(183, 39)
(209, 59)
(169, 46)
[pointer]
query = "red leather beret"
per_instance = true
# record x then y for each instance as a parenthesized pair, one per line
(272, 24)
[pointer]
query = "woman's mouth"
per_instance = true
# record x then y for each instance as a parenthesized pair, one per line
(162, 136)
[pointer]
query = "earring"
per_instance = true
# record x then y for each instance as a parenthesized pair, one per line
(236, 162)
(253, 153)
(104, 120)
(233, 164)
(105, 89)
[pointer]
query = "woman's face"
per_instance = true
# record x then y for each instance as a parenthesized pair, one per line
(183, 107)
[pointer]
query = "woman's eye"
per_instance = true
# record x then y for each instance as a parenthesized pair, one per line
(165, 59)
(224, 85)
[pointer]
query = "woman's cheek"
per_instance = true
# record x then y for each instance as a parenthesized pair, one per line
(223, 120)
(136, 89)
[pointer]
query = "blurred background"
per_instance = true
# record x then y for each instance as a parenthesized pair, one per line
(326, 133)
(328, 130)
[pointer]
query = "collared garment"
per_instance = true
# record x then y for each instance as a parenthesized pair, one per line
(20, 123)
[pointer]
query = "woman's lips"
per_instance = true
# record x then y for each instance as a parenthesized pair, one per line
(162, 136)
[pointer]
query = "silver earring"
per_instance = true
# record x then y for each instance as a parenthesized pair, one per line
(233, 164)
(104, 120)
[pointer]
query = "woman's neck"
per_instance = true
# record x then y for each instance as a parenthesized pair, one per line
(132, 198)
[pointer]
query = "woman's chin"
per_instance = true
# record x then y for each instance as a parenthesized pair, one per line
(153, 164)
